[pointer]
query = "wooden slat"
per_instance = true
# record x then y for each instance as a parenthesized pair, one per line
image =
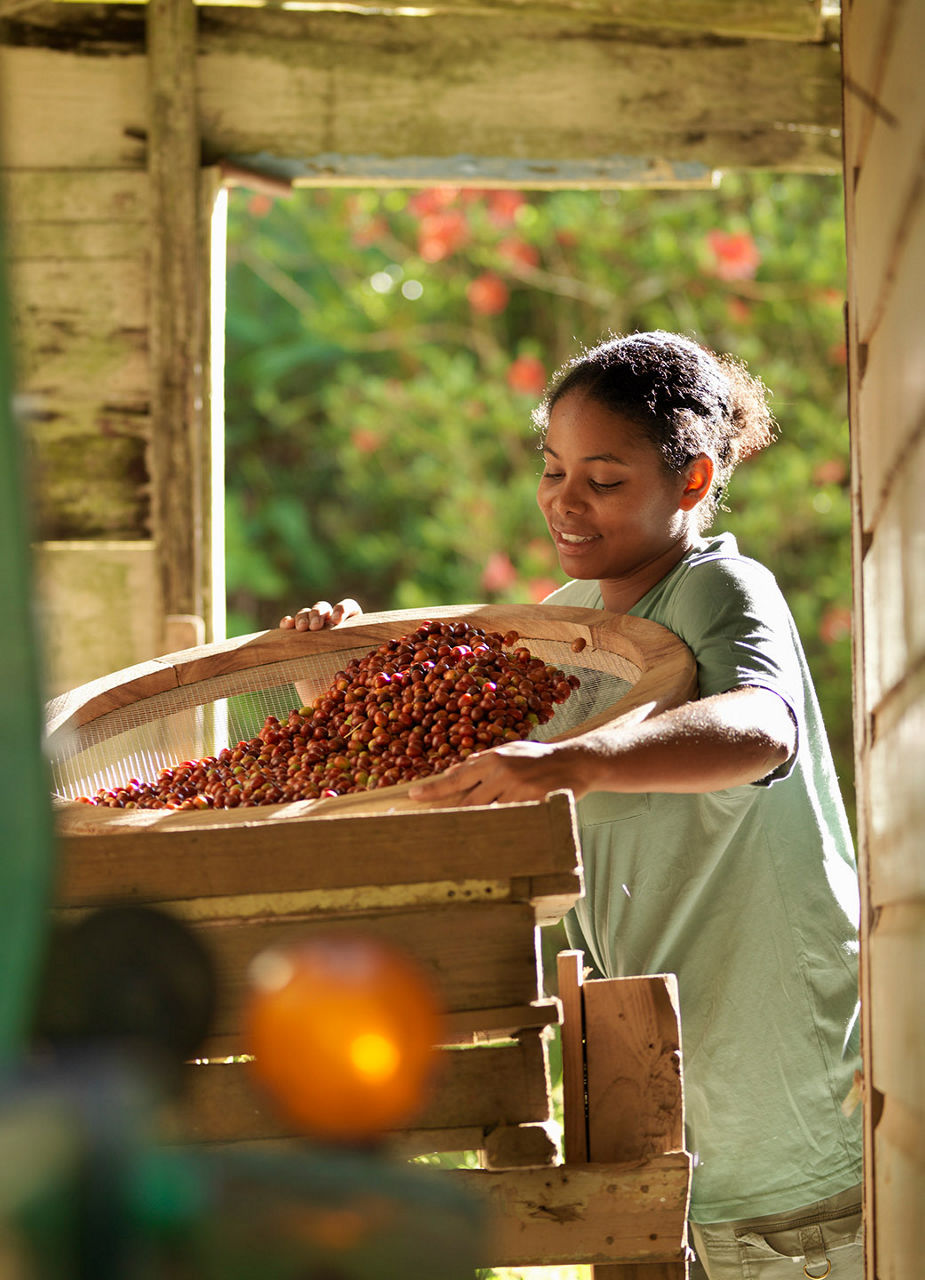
(896, 765)
(689, 99)
(889, 179)
(891, 395)
(66, 110)
(796, 19)
(897, 951)
(75, 584)
(339, 94)
(632, 1047)
(56, 196)
(574, 1102)
(898, 1155)
(474, 1089)
(586, 1214)
(479, 956)
(893, 575)
(169, 864)
(635, 1099)
(178, 304)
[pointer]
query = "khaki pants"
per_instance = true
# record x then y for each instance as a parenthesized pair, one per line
(821, 1241)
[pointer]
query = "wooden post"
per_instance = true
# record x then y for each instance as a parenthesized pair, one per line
(621, 1071)
(176, 316)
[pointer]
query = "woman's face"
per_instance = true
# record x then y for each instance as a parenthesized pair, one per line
(614, 511)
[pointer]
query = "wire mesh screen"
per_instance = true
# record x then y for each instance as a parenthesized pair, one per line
(200, 719)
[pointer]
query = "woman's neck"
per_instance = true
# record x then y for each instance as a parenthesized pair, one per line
(619, 595)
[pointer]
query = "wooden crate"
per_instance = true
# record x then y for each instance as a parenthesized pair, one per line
(461, 891)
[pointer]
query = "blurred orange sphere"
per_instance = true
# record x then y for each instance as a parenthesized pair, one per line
(343, 1031)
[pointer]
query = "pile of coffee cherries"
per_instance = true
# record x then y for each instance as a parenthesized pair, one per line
(408, 709)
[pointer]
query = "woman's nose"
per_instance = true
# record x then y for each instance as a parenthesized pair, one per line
(567, 498)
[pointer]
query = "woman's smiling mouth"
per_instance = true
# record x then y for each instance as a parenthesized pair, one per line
(574, 539)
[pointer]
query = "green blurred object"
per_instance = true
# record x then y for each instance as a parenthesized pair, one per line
(85, 1196)
(27, 843)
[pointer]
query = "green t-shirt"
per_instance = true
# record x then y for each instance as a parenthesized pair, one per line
(750, 896)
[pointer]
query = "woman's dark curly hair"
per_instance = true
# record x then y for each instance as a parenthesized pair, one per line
(686, 400)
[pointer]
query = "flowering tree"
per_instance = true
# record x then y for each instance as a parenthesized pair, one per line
(385, 349)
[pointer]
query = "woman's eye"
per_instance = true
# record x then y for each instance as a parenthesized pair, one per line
(551, 475)
(601, 486)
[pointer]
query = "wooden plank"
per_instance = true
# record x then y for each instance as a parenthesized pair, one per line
(889, 183)
(110, 196)
(80, 331)
(681, 92)
(633, 1047)
(893, 574)
(635, 1100)
(177, 310)
(77, 585)
(474, 1089)
(867, 32)
(60, 109)
(795, 19)
(898, 1153)
(895, 768)
(169, 863)
(897, 950)
(583, 1214)
(891, 397)
(76, 241)
(341, 96)
(479, 956)
(574, 1101)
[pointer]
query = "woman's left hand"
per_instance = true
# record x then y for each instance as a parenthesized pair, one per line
(515, 771)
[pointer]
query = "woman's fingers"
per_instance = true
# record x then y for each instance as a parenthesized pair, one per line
(321, 614)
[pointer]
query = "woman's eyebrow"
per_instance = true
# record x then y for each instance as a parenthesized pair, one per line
(594, 457)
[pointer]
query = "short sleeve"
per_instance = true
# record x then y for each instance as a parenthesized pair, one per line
(732, 615)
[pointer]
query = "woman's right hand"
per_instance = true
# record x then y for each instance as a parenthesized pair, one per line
(321, 614)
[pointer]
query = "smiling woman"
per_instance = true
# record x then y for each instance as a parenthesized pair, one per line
(713, 835)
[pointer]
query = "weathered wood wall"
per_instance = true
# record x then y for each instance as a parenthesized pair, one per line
(885, 184)
(106, 111)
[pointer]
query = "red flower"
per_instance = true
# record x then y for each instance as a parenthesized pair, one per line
(527, 375)
(365, 441)
(259, 205)
(499, 572)
(503, 207)
(740, 311)
(519, 252)
(431, 200)
(488, 294)
(736, 255)
(441, 234)
(831, 471)
(835, 623)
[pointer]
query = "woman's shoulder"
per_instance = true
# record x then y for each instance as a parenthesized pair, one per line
(579, 593)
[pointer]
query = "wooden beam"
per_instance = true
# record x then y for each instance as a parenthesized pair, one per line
(563, 99)
(756, 19)
(177, 305)
(593, 1213)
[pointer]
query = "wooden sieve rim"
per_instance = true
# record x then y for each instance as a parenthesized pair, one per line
(667, 677)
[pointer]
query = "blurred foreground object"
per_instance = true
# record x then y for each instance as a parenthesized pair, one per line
(343, 1032)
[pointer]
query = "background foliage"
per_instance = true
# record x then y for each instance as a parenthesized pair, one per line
(385, 348)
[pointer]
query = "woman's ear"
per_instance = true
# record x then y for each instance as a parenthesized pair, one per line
(698, 481)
